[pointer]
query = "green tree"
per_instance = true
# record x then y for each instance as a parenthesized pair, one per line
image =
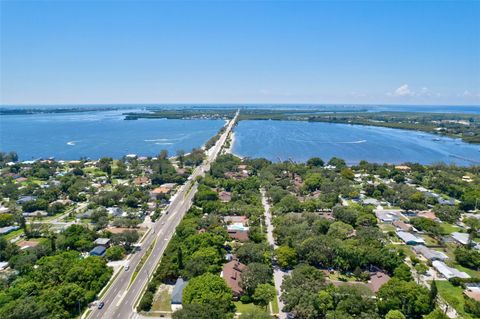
(254, 275)
(286, 256)
(208, 289)
(340, 230)
(403, 272)
(300, 292)
(115, 253)
(315, 162)
(395, 314)
(410, 298)
(198, 311)
(436, 314)
(264, 293)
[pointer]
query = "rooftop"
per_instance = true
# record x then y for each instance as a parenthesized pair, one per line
(177, 292)
(232, 274)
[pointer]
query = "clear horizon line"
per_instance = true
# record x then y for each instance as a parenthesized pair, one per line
(235, 103)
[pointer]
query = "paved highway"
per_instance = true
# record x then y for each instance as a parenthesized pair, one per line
(121, 297)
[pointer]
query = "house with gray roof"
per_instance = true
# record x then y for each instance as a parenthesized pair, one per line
(409, 238)
(430, 254)
(177, 294)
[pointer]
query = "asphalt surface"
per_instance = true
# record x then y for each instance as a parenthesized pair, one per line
(278, 273)
(121, 297)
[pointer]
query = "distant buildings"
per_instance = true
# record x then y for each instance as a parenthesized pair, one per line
(8, 229)
(26, 199)
(37, 213)
(387, 216)
(162, 190)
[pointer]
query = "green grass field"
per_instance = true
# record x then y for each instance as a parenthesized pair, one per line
(162, 300)
(242, 307)
(453, 295)
(446, 228)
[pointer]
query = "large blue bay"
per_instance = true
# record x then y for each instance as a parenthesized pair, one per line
(99, 133)
(299, 141)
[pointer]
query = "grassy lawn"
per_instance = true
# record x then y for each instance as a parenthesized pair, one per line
(447, 228)
(13, 234)
(275, 307)
(242, 307)
(471, 272)
(162, 299)
(429, 241)
(407, 250)
(453, 295)
(387, 227)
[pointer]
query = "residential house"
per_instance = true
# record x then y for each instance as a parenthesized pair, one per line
(162, 190)
(4, 210)
(141, 181)
(225, 196)
(177, 294)
(37, 213)
(377, 280)
(387, 216)
(98, 251)
(430, 254)
(461, 238)
(371, 201)
(427, 214)
(238, 235)
(26, 199)
(472, 291)
(7, 229)
(115, 211)
(448, 272)
(409, 238)
(104, 242)
(235, 219)
(232, 274)
(401, 225)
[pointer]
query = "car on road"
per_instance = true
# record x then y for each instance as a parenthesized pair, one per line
(127, 267)
(163, 223)
(101, 304)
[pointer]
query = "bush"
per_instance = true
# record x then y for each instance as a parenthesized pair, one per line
(146, 302)
(245, 299)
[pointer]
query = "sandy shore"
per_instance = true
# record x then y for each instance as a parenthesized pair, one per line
(232, 141)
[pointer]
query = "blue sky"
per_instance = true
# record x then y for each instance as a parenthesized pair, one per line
(65, 52)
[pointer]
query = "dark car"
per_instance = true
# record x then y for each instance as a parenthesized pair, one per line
(101, 304)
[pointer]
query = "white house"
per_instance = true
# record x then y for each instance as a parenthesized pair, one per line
(448, 272)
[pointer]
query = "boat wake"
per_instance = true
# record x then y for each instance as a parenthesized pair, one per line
(353, 142)
(163, 143)
(329, 142)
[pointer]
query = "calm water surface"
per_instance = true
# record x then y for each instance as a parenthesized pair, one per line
(97, 134)
(299, 141)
